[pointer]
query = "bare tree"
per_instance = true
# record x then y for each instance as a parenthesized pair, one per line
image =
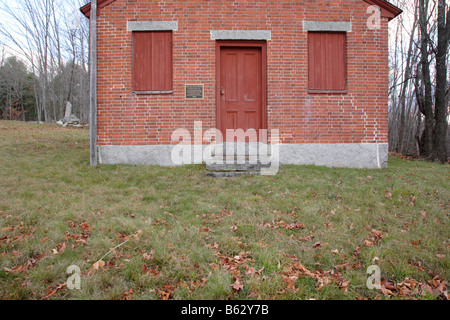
(418, 117)
(40, 31)
(405, 86)
(441, 104)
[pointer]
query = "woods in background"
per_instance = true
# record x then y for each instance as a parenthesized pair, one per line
(419, 87)
(47, 61)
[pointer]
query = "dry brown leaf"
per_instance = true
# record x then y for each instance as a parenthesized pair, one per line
(377, 234)
(148, 256)
(291, 285)
(214, 266)
(127, 295)
(322, 282)
(84, 226)
(51, 293)
(237, 285)
(148, 271)
(343, 285)
(99, 265)
(7, 229)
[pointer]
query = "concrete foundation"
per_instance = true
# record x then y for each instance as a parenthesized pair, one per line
(346, 155)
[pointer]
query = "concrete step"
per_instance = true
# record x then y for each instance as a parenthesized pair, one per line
(234, 167)
(236, 164)
(231, 174)
(240, 149)
(235, 159)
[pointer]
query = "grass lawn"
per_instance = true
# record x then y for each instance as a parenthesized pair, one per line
(308, 232)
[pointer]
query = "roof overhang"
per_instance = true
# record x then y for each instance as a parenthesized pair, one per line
(388, 10)
(86, 9)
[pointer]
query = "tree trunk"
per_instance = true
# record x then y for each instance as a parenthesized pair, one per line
(427, 136)
(440, 109)
(407, 76)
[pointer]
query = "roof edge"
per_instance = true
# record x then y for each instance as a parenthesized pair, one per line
(86, 9)
(388, 10)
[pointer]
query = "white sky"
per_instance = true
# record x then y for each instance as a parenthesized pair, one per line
(71, 8)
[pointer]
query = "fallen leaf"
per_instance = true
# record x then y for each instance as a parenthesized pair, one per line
(213, 246)
(291, 284)
(84, 226)
(377, 234)
(99, 265)
(343, 285)
(306, 238)
(322, 282)
(166, 292)
(61, 248)
(148, 271)
(237, 285)
(148, 256)
(127, 295)
(214, 266)
(51, 293)
(16, 253)
(423, 214)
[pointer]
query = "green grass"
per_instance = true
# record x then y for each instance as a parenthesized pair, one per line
(181, 225)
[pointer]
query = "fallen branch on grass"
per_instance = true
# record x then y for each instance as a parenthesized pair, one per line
(101, 259)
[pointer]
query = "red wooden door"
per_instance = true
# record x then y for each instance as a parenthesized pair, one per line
(240, 89)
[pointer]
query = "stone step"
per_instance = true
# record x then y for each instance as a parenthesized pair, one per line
(241, 149)
(222, 174)
(234, 167)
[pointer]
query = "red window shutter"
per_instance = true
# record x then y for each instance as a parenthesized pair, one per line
(327, 70)
(152, 61)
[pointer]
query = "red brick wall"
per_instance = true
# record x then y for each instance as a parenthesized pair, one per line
(360, 116)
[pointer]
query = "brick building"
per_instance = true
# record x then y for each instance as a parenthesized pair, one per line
(316, 70)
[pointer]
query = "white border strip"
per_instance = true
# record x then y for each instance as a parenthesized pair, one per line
(240, 35)
(327, 26)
